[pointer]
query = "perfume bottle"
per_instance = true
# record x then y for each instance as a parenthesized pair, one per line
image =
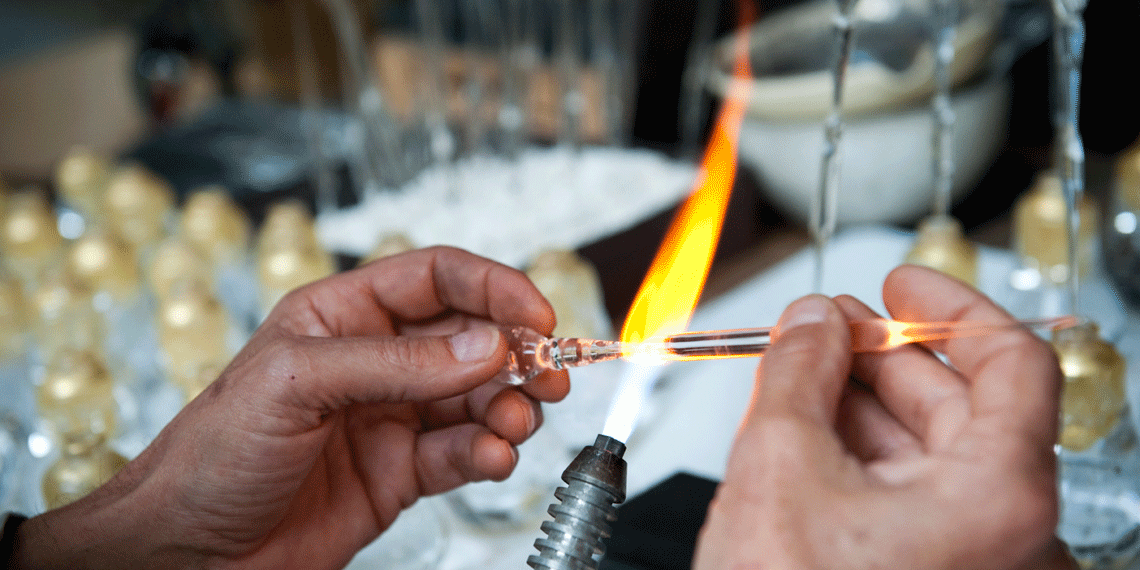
(63, 315)
(1097, 452)
(81, 179)
(176, 259)
(85, 462)
(139, 208)
(941, 244)
(76, 395)
(218, 227)
(196, 331)
(289, 254)
(29, 236)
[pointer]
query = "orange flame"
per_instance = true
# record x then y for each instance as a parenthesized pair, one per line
(673, 284)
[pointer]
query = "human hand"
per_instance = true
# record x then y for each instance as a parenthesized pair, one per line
(893, 459)
(359, 394)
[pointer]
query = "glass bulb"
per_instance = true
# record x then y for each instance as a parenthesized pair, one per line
(193, 327)
(103, 261)
(1093, 399)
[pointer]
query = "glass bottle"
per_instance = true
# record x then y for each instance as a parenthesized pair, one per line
(139, 207)
(196, 332)
(1097, 452)
(1037, 286)
(176, 259)
(81, 179)
(76, 395)
(289, 254)
(941, 244)
(218, 227)
(85, 463)
(29, 237)
(63, 315)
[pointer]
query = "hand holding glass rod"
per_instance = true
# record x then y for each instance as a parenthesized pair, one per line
(532, 353)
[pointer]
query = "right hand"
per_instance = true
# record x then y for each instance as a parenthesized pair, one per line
(894, 459)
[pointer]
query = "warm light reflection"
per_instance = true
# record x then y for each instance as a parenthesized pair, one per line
(673, 284)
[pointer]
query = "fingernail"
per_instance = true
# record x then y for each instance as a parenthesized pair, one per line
(475, 344)
(809, 310)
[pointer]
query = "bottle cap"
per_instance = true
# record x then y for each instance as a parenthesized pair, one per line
(215, 224)
(1093, 399)
(138, 203)
(81, 178)
(941, 244)
(1041, 229)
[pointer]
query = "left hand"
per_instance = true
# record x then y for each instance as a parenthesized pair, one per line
(358, 395)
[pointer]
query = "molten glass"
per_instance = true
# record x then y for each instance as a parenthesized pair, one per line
(532, 353)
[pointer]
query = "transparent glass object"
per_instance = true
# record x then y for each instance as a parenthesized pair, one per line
(1098, 454)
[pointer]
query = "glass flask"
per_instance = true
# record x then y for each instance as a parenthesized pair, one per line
(85, 462)
(29, 236)
(1097, 452)
(941, 244)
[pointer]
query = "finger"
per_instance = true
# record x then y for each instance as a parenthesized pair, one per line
(509, 413)
(450, 457)
(416, 286)
(805, 369)
(871, 432)
(925, 395)
(1013, 375)
(323, 374)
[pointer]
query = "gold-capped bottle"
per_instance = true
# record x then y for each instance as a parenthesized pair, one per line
(289, 254)
(194, 329)
(84, 464)
(175, 260)
(216, 225)
(77, 395)
(1097, 453)
(29, 238)
(104, 263)
(64, 314)
(389, 244)
(81, 179)
(1041, 229)
(139, 205)
(941, 244)
(1093, 400)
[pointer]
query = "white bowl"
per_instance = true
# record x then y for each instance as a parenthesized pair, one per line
(885, 174)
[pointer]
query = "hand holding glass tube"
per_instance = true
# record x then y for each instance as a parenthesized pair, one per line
(532, 353)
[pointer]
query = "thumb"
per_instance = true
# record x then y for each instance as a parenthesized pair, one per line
(334, 372)
(804, 371)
